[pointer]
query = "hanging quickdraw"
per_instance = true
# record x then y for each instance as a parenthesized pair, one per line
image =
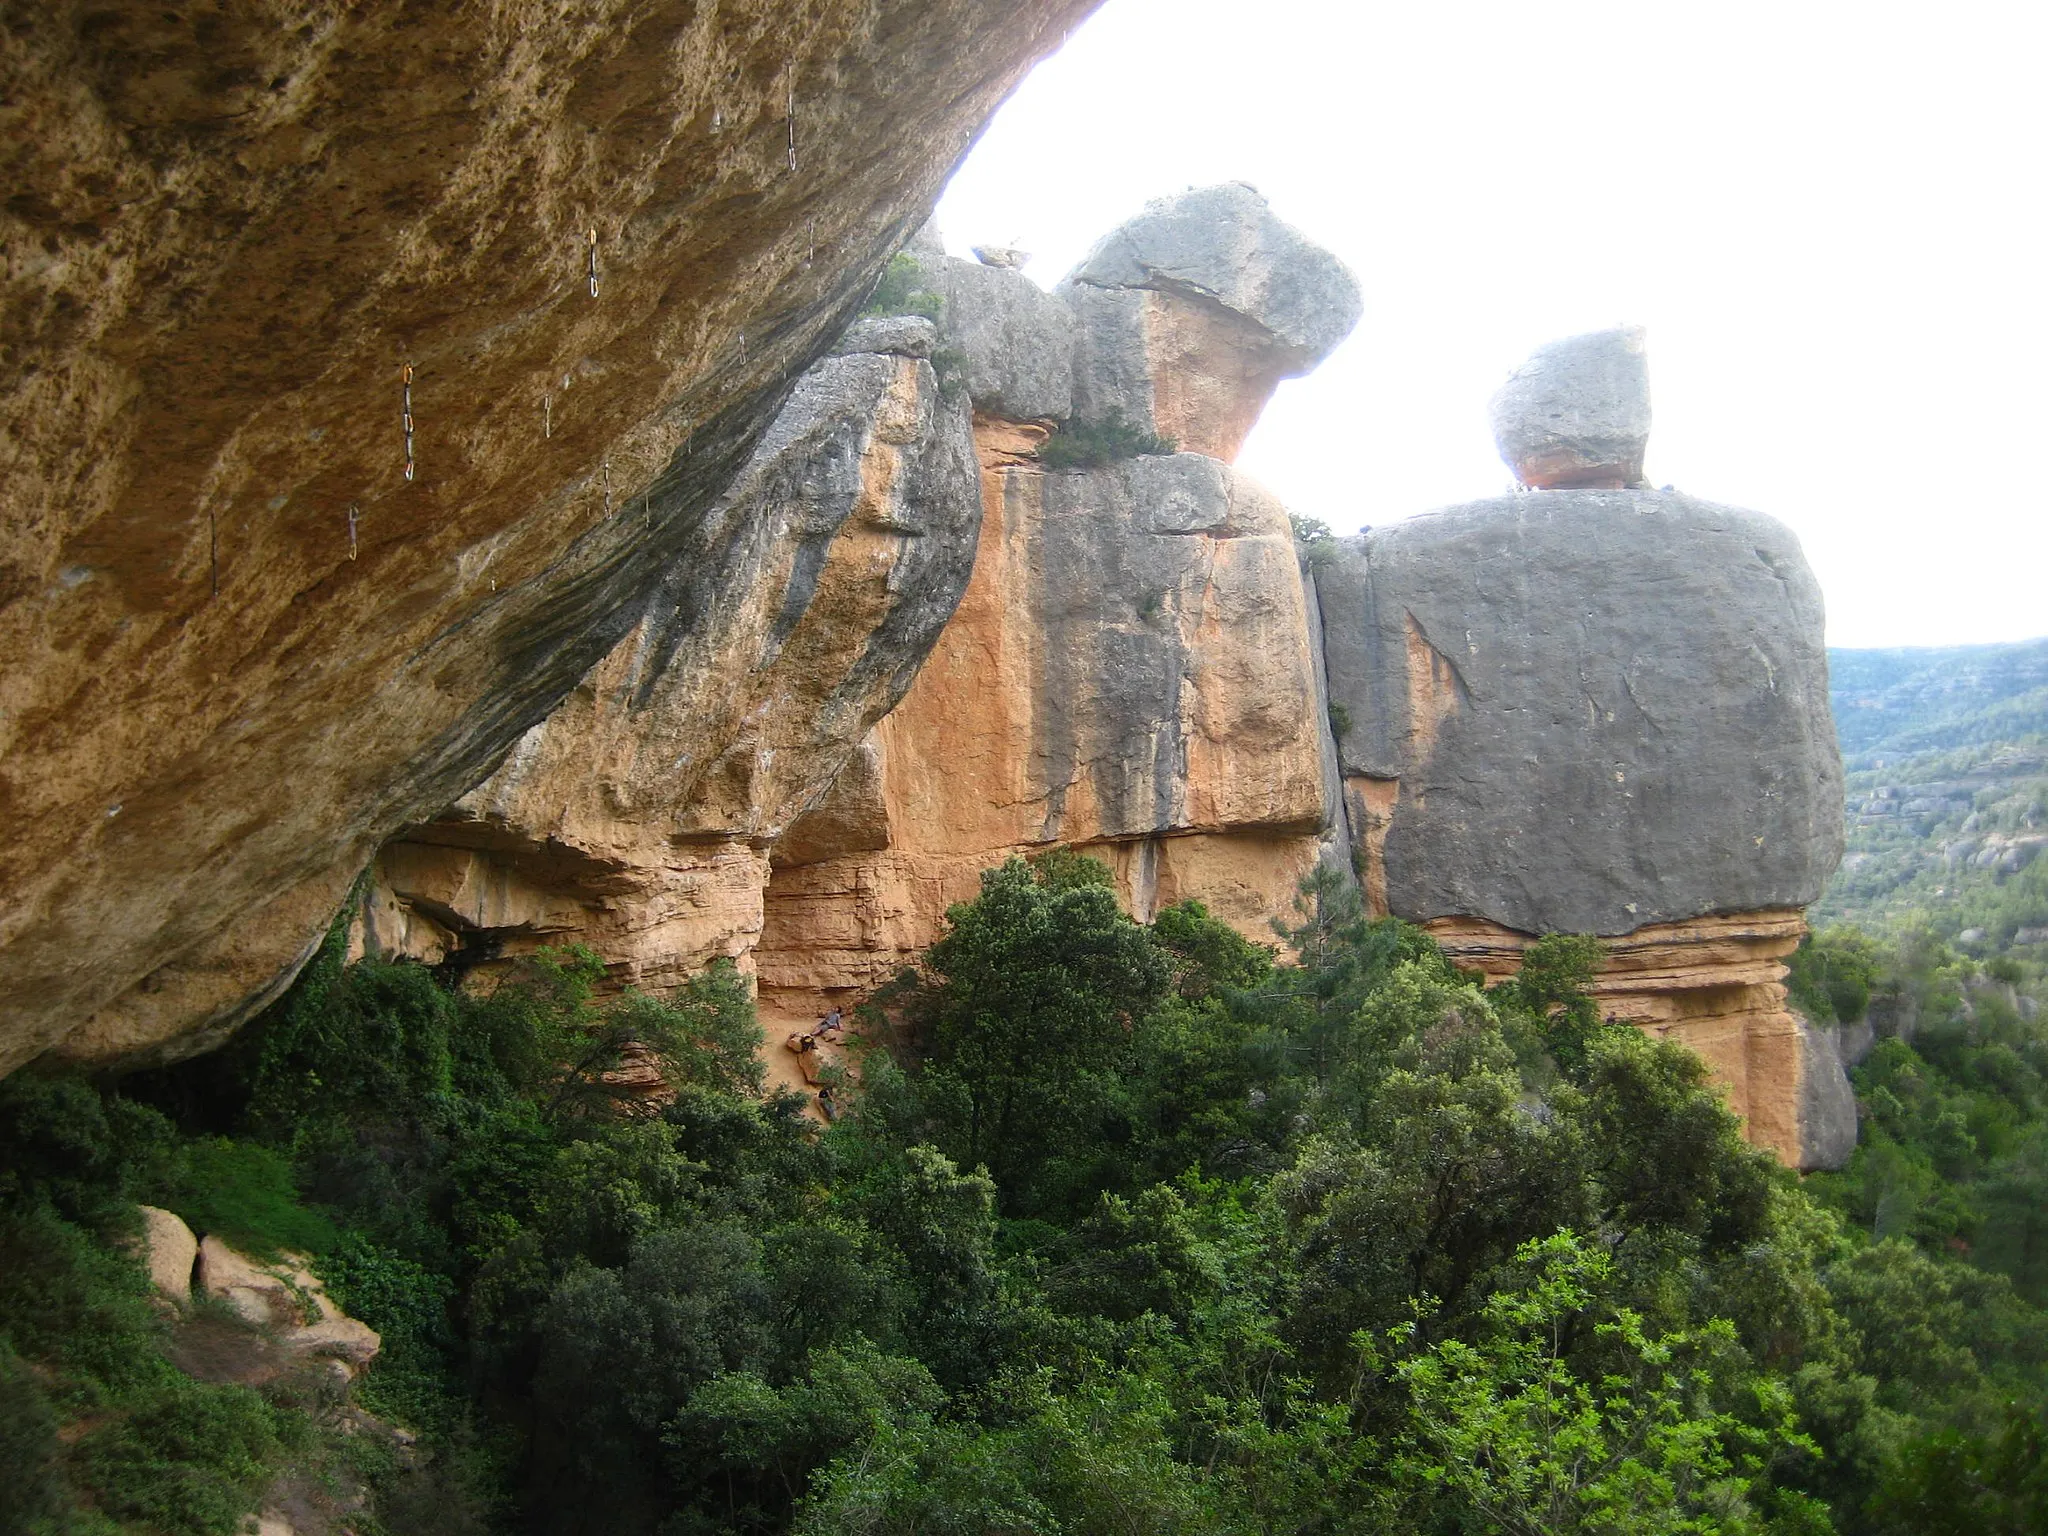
(792, 128)
(405, 418)
(593, 261)
(547, 417)
(607, 487)
(353, 513)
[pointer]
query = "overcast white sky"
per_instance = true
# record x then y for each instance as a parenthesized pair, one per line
(1830, 217)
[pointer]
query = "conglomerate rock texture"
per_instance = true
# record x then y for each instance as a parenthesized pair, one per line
(258, 608)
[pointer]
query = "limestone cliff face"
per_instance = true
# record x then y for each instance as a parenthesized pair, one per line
(1582, 710)
(260, 606)
(1132, 671)
(609, 631)
(638, 816)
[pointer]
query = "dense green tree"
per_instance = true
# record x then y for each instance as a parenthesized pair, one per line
(1131, 1229)
(1522, 1440)
(1021, 1015)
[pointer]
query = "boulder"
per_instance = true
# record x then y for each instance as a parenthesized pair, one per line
(1223, 245)
(1587, 710)
(902, 335)
(257, 1294)
(1604, 712)
(169, 1250)
(1015, 340)
(1577, 413)
(1189, 315)
(288, 1300)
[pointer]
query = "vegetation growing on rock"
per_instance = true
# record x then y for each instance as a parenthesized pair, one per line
(1092, 444)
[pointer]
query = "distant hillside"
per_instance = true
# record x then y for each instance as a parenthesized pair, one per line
(1947, 758)
(1892, 703)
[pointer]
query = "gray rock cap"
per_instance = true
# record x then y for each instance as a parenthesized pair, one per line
(1225, 245)
(1604, 708)
(1577, 413)
(1015, 339)
(903, 335)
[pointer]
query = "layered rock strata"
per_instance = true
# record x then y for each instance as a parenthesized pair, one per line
(338, 344)
(1716, 985)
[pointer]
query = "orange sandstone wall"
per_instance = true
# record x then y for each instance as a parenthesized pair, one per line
(1008, 743)
(1714, 984)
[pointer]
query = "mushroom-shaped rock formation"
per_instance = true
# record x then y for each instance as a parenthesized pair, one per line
(1190, 314)
(1604, 711)
(1132, 670)
(1577, 413)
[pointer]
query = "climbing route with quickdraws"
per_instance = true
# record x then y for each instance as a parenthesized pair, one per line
(405, 419)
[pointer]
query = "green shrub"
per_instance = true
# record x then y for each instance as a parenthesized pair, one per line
(28, 1448)
(76, 1306)
(85, 1153)
(407, 1304)
(189, 1462)
(1832, 973)
(244, 1193)
(1092, 444)
(898, 291)
(1313, 540)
